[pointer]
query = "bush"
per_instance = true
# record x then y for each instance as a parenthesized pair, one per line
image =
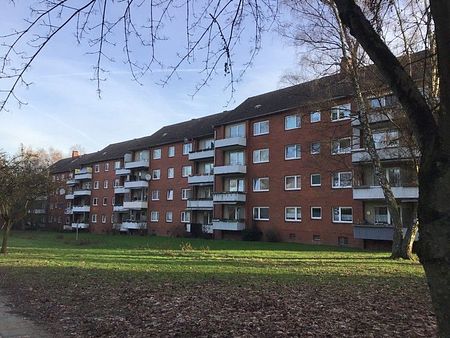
(252, 234)
(272, 235)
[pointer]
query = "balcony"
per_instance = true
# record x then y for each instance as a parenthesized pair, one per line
(71, 181)
(125, 226)
(232, 225)
(82, 192)
(135, 205)
(231, 142)
(230, 169)
(38, 211)
(201, 179)
(121, 190)
(229, 197)
(136, 184)
(70, 196)
(201, 154)
(84, 208)
(200, 204)
(83, 176)
(80, 225)
(394, 153)
(376, 193)
(137, 164)
(375, 117)
(120, 208)
(380, 232)
(123, 172)
(68, 211)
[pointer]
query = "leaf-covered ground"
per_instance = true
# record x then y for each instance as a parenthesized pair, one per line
(121, 286)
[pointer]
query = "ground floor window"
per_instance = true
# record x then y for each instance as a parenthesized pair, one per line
(293, 214)
(342, 215)
(261, 213)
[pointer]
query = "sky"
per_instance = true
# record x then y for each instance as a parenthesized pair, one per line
(63, 108)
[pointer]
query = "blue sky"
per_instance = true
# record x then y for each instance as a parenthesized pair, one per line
(64, 109)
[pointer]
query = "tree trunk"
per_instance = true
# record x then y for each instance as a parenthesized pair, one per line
(408, 241)
(6, 229)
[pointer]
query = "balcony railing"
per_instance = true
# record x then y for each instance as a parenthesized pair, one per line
(199, 204)
(83, 208)
(230, 169)
(135, 205)
(201, 179)
(130, 225)
(368, 193)
(82, 192)
(70, 196)
(121, 190)
(80, 225)
(378, 232)
(122, 172)
(136, 184)
(120, 208)
(393, 153)
(137, 164)
(201, 154)
(71, 181)
(229, 197)
(83, 176)
(227, 224)
(231, 142)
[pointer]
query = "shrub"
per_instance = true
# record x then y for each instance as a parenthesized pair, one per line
(252, 234)
(272, 235)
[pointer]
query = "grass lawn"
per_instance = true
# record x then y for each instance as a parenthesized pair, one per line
(156, 286)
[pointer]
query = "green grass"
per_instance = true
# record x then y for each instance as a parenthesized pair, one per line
(115, 258)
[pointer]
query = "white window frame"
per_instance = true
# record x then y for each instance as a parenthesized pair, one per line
(185, 192)
(117, 165)
(339, 150)
(257, 155)
(171, 172)
(296, 218)
(96, 185)
(95, 201)
(103, 201)
(94, 218)
(297, 156)
(187, 148)
(171, 151)
(258, 217)
(156, 153)
(339, 180)
(311, 148)
(315, 184)
(298, 182)
(154, 216)
(257, 184)
(235, 130)
(340, 215)
(105, 184)
(342, 109)
(104, 219)
(169, 195)
(97, 168)
(156, 194)
(311, 114)
(298, 121)
(315, 217)
(107, 166)
(156, 174)
(184, 168)
(258, 128)
(169, 219)
(185, 217)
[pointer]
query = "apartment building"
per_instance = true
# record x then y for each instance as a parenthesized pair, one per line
(291, 162)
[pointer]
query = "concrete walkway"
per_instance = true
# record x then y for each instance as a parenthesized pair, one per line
(15, 326)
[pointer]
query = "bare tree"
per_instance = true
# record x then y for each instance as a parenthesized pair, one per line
(23, 179)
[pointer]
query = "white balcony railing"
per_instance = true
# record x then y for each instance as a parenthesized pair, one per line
(393, 153)
(233, 225)
(230, 169)
(83, 176)
(122, 172)
(229, 197)
(125, 226)
(121, 190)
(200, 204)
(375, 193)
(82, 192)
(201, 179)
(70, 196)
(137, 164)
(202, 154)
(136, 184)
(120, 208)
(136, 205)
(231, 142)
(80, 225)
(84, 208)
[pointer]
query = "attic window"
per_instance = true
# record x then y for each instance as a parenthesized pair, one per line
(104, 153)
(165, 134)
(258, 106)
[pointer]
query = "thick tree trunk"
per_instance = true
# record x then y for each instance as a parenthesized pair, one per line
(6, 229)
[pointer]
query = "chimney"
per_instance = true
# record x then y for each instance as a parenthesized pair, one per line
(75, 153)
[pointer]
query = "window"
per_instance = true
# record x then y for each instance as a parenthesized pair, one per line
(316, 238)
(292, 152)
(96, 184)
(234, 185)
(316, 213)
(157, 154)
(97, 168)
(315, 148)
(342, 240)
(94, 218)
(187, 148)
(105, 184)
(185, 194)
(116, 182)
(104, 219)
(95, 201)
(261, 184)
(170, 194)
(292, 122)
(186, 171)
(170, 172)
(382, 215)
(342, 215)
(234, 158)
(185, 217)
(206, 144)
(117, 165)
(292, 182)
(171, 151)
(260, 128)
(261, 213)
(383, 101)
(315, 116)
(156, 174)
(393, 176)
(154, 216)
(169, 216)
(155, 195)
(235, 130)
(260, 155)
(341, 146)
(386, 138)
(315, 180)
(292, 214)
(342, 180)
(107, 166)
(105, 201)
(341, 112)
